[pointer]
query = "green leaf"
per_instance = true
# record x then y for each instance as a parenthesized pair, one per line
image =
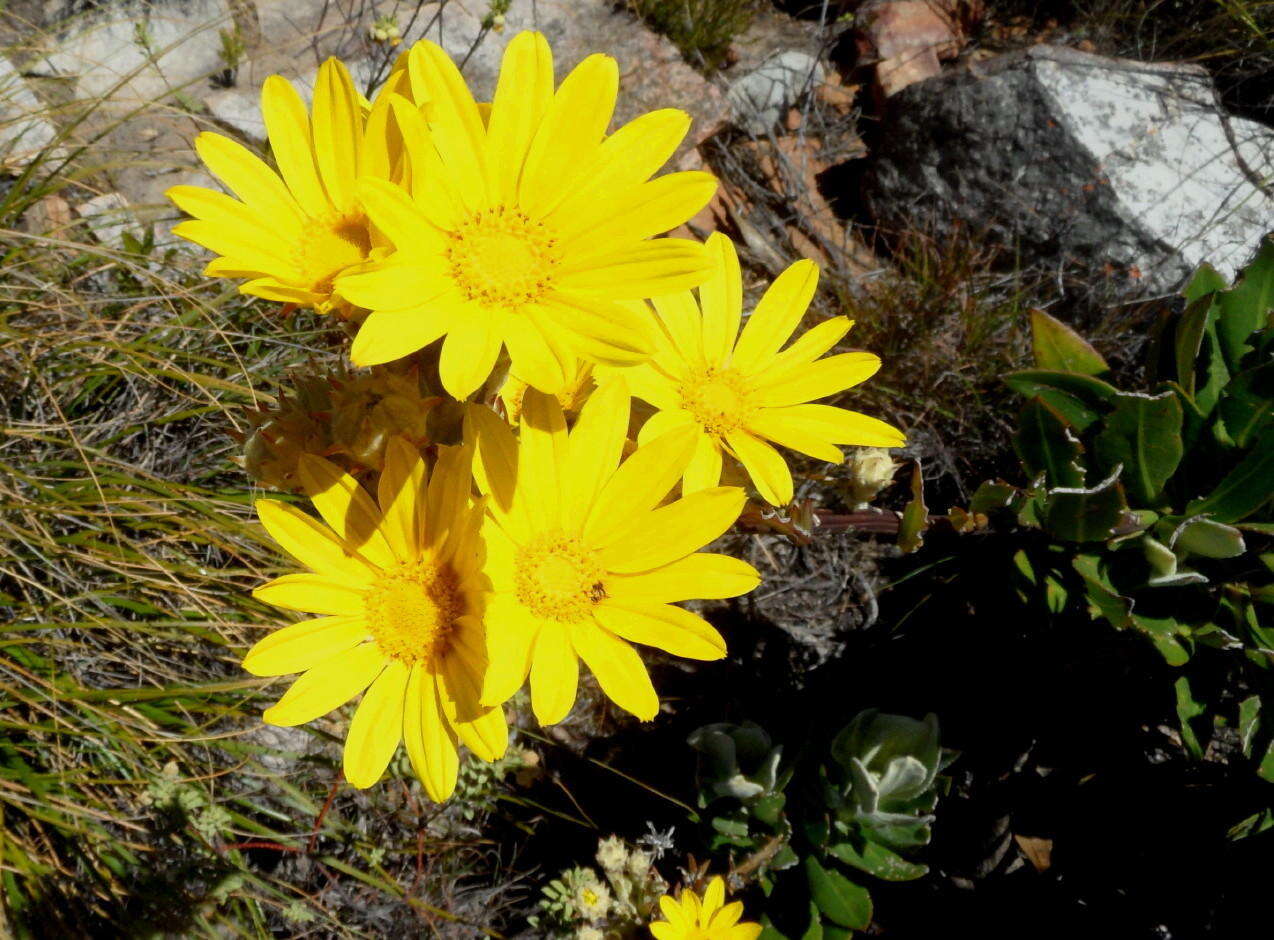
(1243, 309)
(1079, 399)
(1244, 490)
(915, 515)
(1209, 538)
(1249, 722)
(840, 900)
(877, 860)
(1144, 434)
(990, 496)
(1247, 407)
(1187, 710)
(1206, 280)
(1188, 339)
(1164, 633)
(1079, 514)
(1103, 599)
(1266, 769)
(1046, 445)
(1057, 346)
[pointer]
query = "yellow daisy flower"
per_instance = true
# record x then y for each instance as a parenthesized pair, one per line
(689, 918)
(530, 231)
(293, 232)
(738, 391)
(584, 560)
(403, 592)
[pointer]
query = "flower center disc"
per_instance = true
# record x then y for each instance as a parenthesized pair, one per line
(502, 258)
(718, 400)
(557, 578)
(330, 246)
(411, 611)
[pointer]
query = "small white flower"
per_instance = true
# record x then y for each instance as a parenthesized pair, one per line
(592, 899)
(612, 854)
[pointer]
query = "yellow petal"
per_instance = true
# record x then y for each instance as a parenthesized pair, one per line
(776, 316)
(714, 896)
(454, 120)
(312, 543)
(721, 297)
(450, 485)
(646, 269)
(311, 593)
(770, 424)
(648, 209)
(346, 507)
(401, 495)
(235, 242)
(533, 359)
(819, 379)
(838, 425)
(298, 647)
(701, 575)
(289, 128)
(554, 674)
(496, 454)
(482, 729)
(381, 148)
(654, 386)
(661, 422)
(569, 134)
(271, 289)
(596, 445)
(523, 93)
(668, 628)
(388, 335)
(400, 218)
(403, 284)
(252, 224)
(674, 531)
(542, 451)
(598, 329)
(510, 638)
(377, 727)
(625, 159)
(338, 130)
(429, 739)
(469, 353)
(807, 347)
(683, 323)
(619, 670)
(764, 465)
(248, 178)
(432, 186)
(638, 485)
(704, 469)
(328, 685)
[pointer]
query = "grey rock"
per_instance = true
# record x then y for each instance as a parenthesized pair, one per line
(1079, 160)
(24, 133)
(759, 99)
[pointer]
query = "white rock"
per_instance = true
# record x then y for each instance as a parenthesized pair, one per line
(103, 51)
(108, 217)
(23, 132)
(759, 99)
(1075, 160)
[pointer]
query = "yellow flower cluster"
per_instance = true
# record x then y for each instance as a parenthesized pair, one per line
(516, 238)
